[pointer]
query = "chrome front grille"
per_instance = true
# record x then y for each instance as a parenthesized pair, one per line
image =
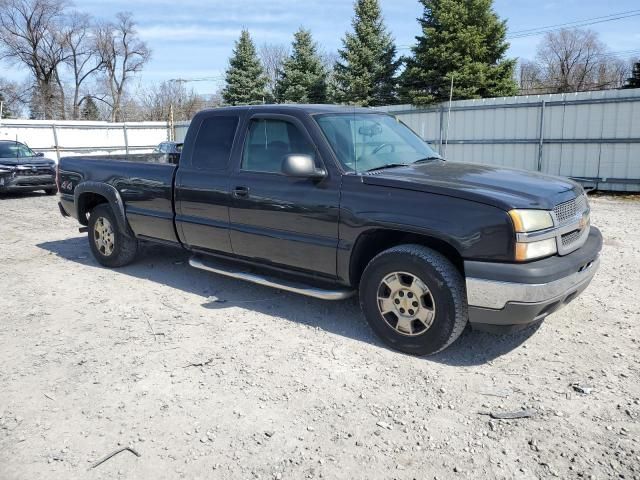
(572, 221)
(568, 211)
(569, 238)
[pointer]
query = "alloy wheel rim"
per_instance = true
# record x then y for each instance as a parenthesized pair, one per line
(406, 303)
(103, 236)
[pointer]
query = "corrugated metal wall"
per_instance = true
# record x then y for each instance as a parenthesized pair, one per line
(591, 136)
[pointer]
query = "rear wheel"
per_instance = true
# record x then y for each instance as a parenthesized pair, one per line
(51, 191)
(109, 245)
(414, 299)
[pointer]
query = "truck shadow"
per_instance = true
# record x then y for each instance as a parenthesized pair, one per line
(169, 266)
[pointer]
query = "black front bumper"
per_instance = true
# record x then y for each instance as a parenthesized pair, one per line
(512, 296)
(27, 183)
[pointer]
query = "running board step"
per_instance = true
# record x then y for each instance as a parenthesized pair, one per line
(211, 265)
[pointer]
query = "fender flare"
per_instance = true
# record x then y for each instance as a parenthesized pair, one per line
(113, 198)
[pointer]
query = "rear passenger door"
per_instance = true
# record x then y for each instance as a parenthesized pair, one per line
(275, 218)
(202, 192)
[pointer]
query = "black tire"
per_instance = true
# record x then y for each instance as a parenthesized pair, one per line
(51, 191)
(446, 296)
(123, 249)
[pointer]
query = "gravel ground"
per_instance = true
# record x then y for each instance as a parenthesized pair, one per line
(267, 384)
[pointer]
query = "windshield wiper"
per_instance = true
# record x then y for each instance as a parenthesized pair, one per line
(388, 165)
(429, 159)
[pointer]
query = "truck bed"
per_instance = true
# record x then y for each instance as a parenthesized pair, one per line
(144, 183)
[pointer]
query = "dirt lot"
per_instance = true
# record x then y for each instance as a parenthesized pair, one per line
(267, 384)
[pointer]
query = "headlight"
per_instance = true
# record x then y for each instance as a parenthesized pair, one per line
(525, 221)
(533, 250)
(528, 221)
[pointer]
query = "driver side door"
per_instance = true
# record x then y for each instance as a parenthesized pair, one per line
(276, 219)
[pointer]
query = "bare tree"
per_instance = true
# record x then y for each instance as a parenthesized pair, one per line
(272, 57)
(13, 97)
(574, 60)
(83, 59)
(123, 55)
(614, 71)
(530, 78)
(30, 35)
(158, 100)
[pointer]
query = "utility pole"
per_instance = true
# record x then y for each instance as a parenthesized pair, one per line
(172, 134)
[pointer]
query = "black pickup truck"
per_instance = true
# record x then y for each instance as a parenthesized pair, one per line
(328, 201)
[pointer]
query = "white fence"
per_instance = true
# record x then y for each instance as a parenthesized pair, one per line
(69, 138)
(593, 137)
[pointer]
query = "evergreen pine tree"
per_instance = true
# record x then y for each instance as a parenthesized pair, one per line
(634, 80)
(464, 39)
(89, 110)
(246, 82)
(303, 78)
(366, 72)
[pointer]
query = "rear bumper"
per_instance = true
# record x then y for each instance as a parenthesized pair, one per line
(511, 295)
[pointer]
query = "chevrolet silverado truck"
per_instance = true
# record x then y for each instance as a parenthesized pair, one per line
(23, 170)
(330, 201)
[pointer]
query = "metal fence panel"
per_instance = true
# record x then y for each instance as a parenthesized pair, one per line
(593, 137)
(181, 131)
(70, 138)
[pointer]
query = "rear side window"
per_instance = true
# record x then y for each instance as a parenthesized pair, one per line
(214, 142)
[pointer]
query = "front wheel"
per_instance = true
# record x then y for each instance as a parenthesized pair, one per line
(414, 299)
(110, 246)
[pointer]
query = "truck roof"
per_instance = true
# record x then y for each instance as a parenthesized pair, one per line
(310, 109)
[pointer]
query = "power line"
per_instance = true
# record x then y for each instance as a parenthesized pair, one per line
(578, 23)
(627, 53)
(530, 32)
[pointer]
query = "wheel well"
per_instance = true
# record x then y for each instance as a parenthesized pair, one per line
(372, 243)
(87, 202)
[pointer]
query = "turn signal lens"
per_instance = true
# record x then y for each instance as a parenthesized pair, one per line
(530, 220)
(533, 250)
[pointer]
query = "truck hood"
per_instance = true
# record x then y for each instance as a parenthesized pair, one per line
(505, 188)
(37, 161)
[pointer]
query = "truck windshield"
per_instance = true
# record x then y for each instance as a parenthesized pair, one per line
(365, 141)
(15, 150)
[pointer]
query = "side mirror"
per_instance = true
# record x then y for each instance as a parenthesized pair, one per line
(301, 166)
(39, 154)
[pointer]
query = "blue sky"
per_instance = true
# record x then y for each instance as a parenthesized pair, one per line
(194, 38)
